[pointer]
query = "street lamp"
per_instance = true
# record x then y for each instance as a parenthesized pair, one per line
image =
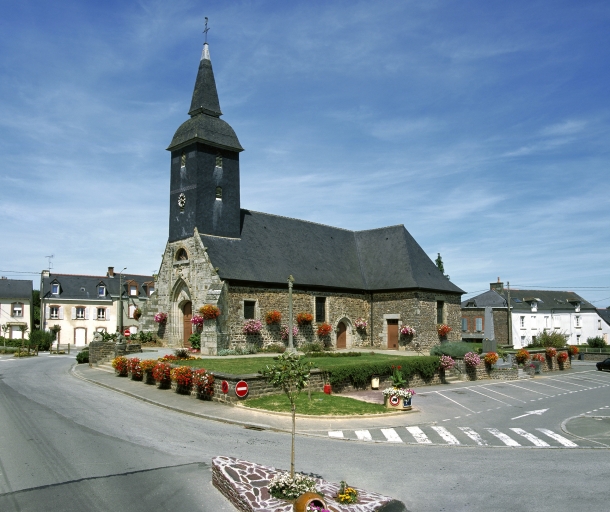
(121, 302)
(290, 343)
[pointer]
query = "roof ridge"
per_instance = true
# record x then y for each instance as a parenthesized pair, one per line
(379, 229)
(300, 220)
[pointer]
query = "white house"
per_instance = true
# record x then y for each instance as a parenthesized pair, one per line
(15, 308)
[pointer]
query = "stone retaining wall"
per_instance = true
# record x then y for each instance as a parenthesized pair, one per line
(99, 350)
(594, 357)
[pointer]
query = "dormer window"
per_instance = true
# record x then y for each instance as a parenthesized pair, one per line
(133, 290)
(534, 306)
(55, 288)
(101, 290)
(576, 307)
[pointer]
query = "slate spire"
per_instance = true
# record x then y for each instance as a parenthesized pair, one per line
(205, 96)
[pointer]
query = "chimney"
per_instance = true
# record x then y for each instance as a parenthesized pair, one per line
(498, 286)
(46, 273)
(110, 272)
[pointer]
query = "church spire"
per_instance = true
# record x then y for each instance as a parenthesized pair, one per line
(205, 96)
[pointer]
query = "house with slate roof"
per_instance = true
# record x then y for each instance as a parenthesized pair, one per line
(15, 307)
(531, 312)
(83, 305)
(240, 260)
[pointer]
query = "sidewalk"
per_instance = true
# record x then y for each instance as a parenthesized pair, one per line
(255, 419)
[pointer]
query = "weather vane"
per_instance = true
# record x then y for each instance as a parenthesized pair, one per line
(205, 31)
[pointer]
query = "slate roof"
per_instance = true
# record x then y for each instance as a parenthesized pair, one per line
(547, 300)
(78, 287)
(605, 314)
(16, 289)
(272, 247)
(204, 124)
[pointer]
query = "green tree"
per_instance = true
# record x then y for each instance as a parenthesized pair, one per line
(35, 309)
(291, 374)
(439, 264)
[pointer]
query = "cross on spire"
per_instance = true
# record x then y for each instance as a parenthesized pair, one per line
(205, 31)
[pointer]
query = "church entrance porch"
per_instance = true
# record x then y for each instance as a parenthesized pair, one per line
(187, 326)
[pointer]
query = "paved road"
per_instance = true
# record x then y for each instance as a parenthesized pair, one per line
(69, 445)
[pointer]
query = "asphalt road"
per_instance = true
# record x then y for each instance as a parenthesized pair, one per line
(69, 445)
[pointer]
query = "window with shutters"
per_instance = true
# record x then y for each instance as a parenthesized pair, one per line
(320, 309)
(479, 324)
(101, 313)
(17, 309)
(80, 312)
(54, 312)
(464, 324)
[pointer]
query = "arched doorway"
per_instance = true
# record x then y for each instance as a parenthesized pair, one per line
(187, 327)
(341, 335)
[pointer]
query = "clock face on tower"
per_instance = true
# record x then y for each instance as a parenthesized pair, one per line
(182, 201)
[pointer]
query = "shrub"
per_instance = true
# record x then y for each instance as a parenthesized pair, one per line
(597, 342)
(273, 317)
(324, 329)
(121, 365)
(82, 356)
(44, 339)
(472, 360)
(203, 382)
(183, 376)
(359, 375)
(550, 339)
(226, 352)
(334, 354)
(135, 368)
(312, 347)
(284, 487)
(304, 318)
(182, 353)
(274, 348)
(195, 340)
(209, 312)
(491, 358)
(522, 356)
(147, 365)
(562, 357)
(455, 349)
(551, 352)
(145, 337)
(252, 327)
(162, 373)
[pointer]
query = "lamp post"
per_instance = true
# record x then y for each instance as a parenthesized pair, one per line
(290, 342)
(120, 315)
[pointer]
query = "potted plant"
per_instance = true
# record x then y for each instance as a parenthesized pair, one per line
(522, 356)
(203, 383)
(161, 318)
(551, 352)
(147, 366)
(538, 360)
(347, 495)
(183, 377)
(209, 312)
(197, 322)
(562, 357)
(252, 327)
(284, 331)
(273, 317)
(361, 324)
(121, 366)
(443, 330)
(490, 358)
(162, 375)
(304, 318)
(472, 360)
(407, 330)
(135, 370)
(324, 329)
(137, 313)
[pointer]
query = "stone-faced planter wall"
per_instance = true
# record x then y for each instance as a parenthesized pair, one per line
(594, 357)
(99, 350)
(550, 364)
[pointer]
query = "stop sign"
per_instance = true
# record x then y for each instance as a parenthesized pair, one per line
(126, 332)
(241, 388)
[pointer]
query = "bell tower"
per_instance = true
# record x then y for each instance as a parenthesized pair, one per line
(204, 185)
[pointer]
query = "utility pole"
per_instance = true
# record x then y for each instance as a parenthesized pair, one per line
(290, 341)
(120, 312)
(510, 317)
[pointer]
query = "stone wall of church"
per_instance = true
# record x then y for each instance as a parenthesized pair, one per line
(344, 307)
(417, 309)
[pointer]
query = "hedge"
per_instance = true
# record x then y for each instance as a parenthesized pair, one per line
(360, 375)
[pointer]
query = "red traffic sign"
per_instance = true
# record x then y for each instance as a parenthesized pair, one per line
(241, 388)
(126, 332)
(394, 400)
(224, 386)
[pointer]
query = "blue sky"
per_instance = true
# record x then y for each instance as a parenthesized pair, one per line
(483, 127)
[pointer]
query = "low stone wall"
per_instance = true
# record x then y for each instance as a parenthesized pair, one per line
(585, 356)
(122, 349)
(551, 364)
(99, 350)
(245, 485)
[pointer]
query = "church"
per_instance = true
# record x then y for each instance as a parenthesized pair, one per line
(373, 288)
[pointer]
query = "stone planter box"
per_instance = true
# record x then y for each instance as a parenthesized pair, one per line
(164, 384)
(147, 377)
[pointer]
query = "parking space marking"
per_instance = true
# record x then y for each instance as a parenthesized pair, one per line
(560, 439)
(536, 441)
(487, 396)
(391, 435)
(568, 382)
(446, 435)
(364, 435)
(457, 403)
(503, 394)
(419, 435)
(548, 385)
(474, 436)
(508, 441)
(336, 433)
(526, 389)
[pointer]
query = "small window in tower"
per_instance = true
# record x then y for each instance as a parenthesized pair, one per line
(219, 193)
(183, 159)
(249, 309)
(182, 255)
(219, 160)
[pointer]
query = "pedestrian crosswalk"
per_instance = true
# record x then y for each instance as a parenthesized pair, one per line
(436, 435)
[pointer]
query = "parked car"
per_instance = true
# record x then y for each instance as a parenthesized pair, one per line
(604, 365)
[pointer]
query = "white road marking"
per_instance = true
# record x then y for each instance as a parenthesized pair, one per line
(457, 403)
(538, 413)
(526, 389)
(419, 435)
(474, 436)
(536, 441)
(444, 433)
(391, 435)
(336, 433)
(364, 435)
(508, 441)
(503, 394)
(487, 396)
(560, 439)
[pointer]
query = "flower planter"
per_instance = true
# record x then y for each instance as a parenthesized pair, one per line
(164, 384)
(147, 377)
(135, 375)
(183, 390)
(397, 403)
(303, 502)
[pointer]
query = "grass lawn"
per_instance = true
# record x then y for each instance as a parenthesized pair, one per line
(243, 365)
(320, 405)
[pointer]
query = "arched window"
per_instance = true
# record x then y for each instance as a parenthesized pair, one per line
(219, 193)
(182, 255)
(218, 160)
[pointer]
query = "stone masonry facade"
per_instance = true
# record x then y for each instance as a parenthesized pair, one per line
(187, 275)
